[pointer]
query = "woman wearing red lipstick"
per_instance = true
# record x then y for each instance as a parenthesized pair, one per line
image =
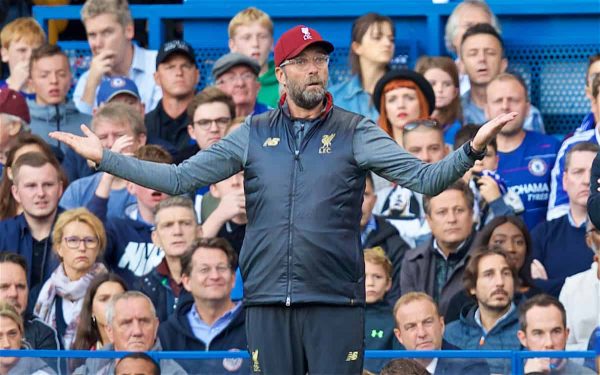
(79, 239)
(402, 96)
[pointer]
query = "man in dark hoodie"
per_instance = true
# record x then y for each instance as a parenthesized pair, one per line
(51, 80)
(210, 320)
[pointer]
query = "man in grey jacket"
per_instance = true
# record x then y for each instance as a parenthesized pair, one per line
(132, 326)
(304, 169)
(51, 81)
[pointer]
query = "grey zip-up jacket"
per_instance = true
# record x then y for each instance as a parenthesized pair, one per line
(371, 149)
(59, 117)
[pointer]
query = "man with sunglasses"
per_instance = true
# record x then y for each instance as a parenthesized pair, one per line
(403, 207)
(237, 75)
(305, 165)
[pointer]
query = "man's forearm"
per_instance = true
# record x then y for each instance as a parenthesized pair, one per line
(375, 150)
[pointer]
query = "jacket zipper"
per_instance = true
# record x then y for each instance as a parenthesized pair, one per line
(297, 163)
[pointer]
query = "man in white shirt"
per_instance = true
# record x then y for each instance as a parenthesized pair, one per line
(581, 296)
(109, 28)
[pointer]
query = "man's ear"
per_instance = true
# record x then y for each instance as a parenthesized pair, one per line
(4, 54)
(130, 188)
(522, 338)
(214, 191)
(190, 130)
(14, 190)
(110, 333)
(185, 280)
(156, 239)
(231, 45)
(129, 31)
(503, 65)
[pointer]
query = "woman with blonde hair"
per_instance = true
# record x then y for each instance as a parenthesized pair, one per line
(11, 338)
(442, 74)
(78, 240)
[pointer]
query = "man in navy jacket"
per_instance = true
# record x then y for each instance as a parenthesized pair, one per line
(419, 326)
(210, 320)
(37, 187)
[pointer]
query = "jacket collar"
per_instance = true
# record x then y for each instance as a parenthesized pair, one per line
(328, 105)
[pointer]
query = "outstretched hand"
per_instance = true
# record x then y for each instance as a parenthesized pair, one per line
(490, 129)
(88, 146)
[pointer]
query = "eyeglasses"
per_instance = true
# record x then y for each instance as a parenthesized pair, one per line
(429, 123)
(244, 77)
(304, 62)
(205, 123)
(73, 242)
(221, 269)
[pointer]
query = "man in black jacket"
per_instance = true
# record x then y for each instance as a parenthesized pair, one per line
(376, 231)
(210, 320)
(419, 326)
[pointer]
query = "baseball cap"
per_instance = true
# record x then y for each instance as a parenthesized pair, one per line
(175, 46)
(228, 61)
(13, 103)
(295, 40)
(113, 86)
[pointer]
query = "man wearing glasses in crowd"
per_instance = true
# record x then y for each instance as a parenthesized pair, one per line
(305, 166)
(237, 75)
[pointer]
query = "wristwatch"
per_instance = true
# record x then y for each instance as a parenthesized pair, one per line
(472, 154)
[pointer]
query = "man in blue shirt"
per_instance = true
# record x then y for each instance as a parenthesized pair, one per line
(526, 157)
(559, 246)
(210, 320)
(109, 28)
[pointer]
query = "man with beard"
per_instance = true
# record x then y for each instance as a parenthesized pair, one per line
(494, 322)
(304, 169)
(526, 157)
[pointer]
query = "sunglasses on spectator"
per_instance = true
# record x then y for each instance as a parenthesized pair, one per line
(73, 242)
(429, 123)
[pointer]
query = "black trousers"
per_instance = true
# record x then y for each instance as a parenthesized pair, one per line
(313, 339)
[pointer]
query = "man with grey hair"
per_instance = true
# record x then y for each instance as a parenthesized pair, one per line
(132, 326)
(109, 28)
(466, 14)
(175, 228)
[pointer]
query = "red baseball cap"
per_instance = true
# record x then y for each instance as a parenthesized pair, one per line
(295, 40)
(13, 103)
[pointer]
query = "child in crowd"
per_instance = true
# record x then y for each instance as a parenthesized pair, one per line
(251, 34)
(18, 39)
(379, 320)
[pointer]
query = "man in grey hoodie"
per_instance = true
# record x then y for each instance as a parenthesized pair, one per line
(132, 326)
(51, 80)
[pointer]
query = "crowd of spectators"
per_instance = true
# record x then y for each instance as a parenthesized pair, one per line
(504, 259)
